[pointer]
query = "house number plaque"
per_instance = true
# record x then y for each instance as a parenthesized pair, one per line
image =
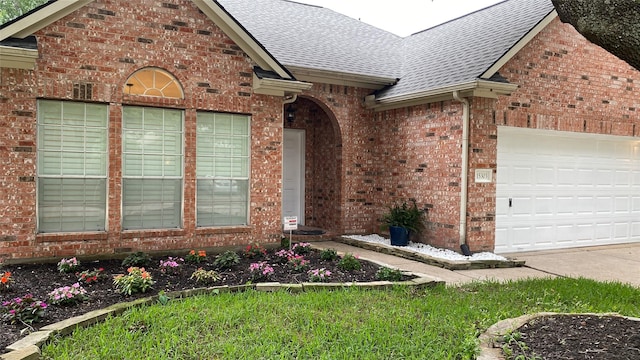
(484, 175)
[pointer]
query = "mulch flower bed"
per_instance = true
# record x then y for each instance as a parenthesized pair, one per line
(40, 280)
(578, 337)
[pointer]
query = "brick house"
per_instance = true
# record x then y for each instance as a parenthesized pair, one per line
(159, 125)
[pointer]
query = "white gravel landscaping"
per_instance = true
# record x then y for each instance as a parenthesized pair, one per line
(429, 250)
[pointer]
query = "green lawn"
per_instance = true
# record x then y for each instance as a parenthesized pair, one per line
(403, 323)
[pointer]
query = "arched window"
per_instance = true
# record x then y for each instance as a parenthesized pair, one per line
(153, 82)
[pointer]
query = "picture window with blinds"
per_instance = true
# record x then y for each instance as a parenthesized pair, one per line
(71, 166)
(222, 169)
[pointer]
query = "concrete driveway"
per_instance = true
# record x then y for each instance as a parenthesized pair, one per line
(603, 263)
(619, 263)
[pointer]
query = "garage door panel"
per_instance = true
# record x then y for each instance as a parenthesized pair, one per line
(635, 207)
(621, 230)
(635, 229)
(622, 205)
(604, 231)
(585, 205)
(567, 189)
(544, 206)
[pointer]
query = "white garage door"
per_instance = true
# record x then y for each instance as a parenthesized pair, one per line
(560, 190)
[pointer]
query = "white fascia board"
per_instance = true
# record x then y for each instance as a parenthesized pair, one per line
(476, 88)
(519, 45)
(339, 78)
(278, 87)
(17, 58)
(241, 37)
(39, 19)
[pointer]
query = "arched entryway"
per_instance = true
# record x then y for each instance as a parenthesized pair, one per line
(312, 169)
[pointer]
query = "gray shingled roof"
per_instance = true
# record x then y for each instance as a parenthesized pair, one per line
(318, 38)
(460, 50)
(455, 52)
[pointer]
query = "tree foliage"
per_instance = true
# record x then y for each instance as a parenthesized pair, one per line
(612, 24)
(11, 9)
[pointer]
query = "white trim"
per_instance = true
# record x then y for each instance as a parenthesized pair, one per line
(519, 45)
(476, 88)
(17, 58)
(278, 87)
(241, 37)
(39, 19)
(339, 78)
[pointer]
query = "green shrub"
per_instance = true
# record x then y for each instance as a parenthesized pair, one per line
(405, 215)
(388, 274)
(206, 277)
(329, 255)
(226, 260)
(138, 259)
(349, 263)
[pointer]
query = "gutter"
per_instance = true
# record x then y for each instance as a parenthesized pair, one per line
(475, 88)
(464, 171)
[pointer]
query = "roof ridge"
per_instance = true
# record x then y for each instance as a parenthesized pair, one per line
(458, 18)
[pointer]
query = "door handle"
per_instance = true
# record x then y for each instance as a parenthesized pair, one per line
(510, 202)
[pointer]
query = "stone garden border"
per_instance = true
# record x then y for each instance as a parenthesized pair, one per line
(442, 263)
(28, 348)
(489, 340)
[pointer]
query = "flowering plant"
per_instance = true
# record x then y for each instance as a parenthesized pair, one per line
(284, 255)
(25, 309)
(298, 262)
(90, 276)
(301, 248)
(170, 265)
(5, 281)
(254, 251)
(194, 257)
(137, 280)
(68, 295)
(260, 270)
(318, 275)
(68, 265)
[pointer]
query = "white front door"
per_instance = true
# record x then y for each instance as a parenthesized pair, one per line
(561, 189)
(293, 174)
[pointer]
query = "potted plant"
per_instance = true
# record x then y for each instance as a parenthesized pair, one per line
(403, 220)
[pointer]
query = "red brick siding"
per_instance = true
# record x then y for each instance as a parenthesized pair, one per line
(342, 139)
(567, 83)
(102, 44)
(418, 157)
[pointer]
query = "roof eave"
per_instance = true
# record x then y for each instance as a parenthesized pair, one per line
(341, 78)
(17, 58)
(278, 87)
(475, 88)
(241, 37)
(37, 20)
(519, 45)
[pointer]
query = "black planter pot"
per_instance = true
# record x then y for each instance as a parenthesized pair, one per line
(399, 236)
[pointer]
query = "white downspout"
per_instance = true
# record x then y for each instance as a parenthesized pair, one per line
(289, 100)
(464, 172)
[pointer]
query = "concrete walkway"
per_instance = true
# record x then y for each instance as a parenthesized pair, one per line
(619, 263)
